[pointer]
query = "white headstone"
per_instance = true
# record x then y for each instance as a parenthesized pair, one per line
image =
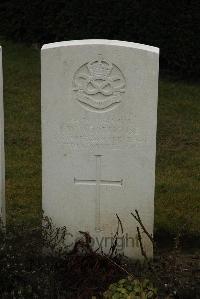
(2, 159)
(99, 113)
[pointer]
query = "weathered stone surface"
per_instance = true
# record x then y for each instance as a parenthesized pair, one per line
(99, 113)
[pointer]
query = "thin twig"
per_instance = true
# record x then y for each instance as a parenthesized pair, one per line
(143, 252)
(120, 223)
(117, 265)
(138, 219)
(141, 245)
(114, 242)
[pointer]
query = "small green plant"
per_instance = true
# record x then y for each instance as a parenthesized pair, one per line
(130, 288)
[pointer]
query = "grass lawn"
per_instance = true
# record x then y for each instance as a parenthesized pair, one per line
(177, 196)
(22, 133)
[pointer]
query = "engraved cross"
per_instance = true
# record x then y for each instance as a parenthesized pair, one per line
(98, 182)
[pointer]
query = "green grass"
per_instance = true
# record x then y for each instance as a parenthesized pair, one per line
(22, 133)
(177, 199)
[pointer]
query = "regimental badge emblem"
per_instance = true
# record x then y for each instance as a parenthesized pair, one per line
(98, 85)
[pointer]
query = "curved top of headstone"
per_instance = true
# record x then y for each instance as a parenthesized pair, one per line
(101, 42)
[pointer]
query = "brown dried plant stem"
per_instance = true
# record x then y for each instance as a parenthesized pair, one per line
(150, 264)
(118, 266)
(141, 245)
(138, 219)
